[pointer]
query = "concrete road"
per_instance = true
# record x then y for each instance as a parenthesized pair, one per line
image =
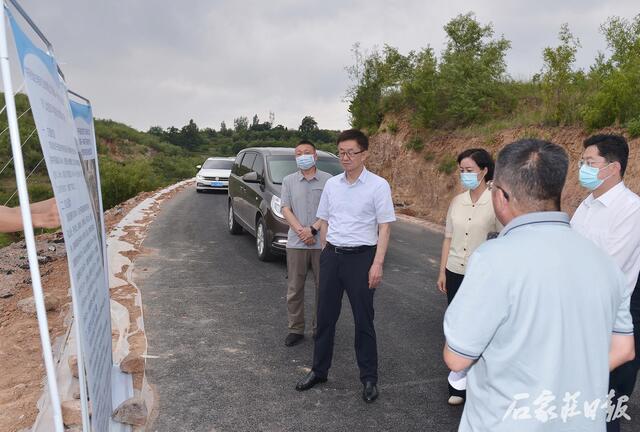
(215, 318)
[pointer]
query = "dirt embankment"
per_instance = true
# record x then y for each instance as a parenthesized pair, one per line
(22, 378)
(422, 187)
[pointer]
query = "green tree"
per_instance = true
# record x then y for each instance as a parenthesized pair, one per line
(308, 125)
(472, 72)
(156, 130)
(377, 81)
(240, 124)
(190, 137)
(617, 79)
(558, 79)
(420, 90)
(366, 92)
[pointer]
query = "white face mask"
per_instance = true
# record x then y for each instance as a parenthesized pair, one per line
(304, 162)
(469, 180)
(588, 177)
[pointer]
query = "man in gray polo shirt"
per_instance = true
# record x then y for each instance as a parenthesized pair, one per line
(301, 192)
(542, 314)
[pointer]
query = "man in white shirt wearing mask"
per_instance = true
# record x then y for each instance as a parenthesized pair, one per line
(610, 217)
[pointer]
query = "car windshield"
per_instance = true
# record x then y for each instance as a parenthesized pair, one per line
(217, 164)
(282, 166)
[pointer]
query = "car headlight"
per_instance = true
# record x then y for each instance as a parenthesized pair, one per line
(276, 206)
(199, 177)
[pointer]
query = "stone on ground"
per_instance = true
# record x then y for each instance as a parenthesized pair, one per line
(133, 411)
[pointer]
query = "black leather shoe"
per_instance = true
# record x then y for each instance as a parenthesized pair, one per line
(369, 392)
(309, 381)
(293, 339)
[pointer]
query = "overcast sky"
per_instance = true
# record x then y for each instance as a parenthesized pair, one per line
(162, 62)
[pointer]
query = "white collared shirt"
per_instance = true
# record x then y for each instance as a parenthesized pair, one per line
(353, 211)
(612, 222)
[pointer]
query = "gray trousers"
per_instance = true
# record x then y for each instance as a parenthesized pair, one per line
(299, 262)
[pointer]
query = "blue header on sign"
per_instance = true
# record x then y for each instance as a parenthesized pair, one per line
(81, 110)
(26, 47)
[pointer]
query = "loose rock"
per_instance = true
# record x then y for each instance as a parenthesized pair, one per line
(132, 363)
(76, 389)
(71, 412)
(73, 366)
(5, 292)
(28, 305)
(133, 411)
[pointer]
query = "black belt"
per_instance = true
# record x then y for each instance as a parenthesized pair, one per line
(346, 250)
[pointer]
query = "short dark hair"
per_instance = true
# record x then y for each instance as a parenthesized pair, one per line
(533, 170)
(482, 158)
(354, 134)
(613, 148)
(307, 142)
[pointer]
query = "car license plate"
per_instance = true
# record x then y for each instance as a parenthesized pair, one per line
(216, 184)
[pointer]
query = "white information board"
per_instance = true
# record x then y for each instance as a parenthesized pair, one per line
(59, 140)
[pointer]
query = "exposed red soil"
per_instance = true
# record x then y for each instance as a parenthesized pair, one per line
(22, 378)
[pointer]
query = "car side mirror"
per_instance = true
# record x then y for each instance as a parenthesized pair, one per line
(198, 166)
(251, 177)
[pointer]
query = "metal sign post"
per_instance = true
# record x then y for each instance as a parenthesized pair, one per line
(23, 196)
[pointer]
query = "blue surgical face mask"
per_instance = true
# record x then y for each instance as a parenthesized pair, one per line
(588, 177)
(469, 180)
(305, 162)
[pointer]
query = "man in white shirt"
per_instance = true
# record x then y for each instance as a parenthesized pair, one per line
(610, 217)
(355, 214)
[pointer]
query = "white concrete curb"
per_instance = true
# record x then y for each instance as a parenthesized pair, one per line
(65, 346)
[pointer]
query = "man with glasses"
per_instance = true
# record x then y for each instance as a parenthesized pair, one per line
(542, 314)
(354, 214)
(610, 217)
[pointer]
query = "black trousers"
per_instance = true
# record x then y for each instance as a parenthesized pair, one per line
(623, 378)
(350, 273)
(452, 283)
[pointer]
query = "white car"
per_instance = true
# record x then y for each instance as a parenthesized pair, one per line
(214, 174)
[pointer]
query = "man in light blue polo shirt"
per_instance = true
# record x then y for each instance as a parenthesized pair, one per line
(542, 314)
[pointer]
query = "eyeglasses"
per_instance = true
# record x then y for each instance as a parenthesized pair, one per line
(350, 154)
(590, 163)
(491, 186)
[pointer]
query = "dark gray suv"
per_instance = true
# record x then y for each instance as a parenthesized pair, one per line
(254, 194)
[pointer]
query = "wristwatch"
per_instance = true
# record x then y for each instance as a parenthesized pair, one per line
(313, 230)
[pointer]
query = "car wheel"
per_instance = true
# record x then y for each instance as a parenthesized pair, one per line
(234, 226)
(262, 244)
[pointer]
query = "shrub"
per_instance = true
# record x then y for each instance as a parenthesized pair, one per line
(448, 165)
(633, 127)
(429, 156)
(392, 127)
(121, 181)
(416, 144)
